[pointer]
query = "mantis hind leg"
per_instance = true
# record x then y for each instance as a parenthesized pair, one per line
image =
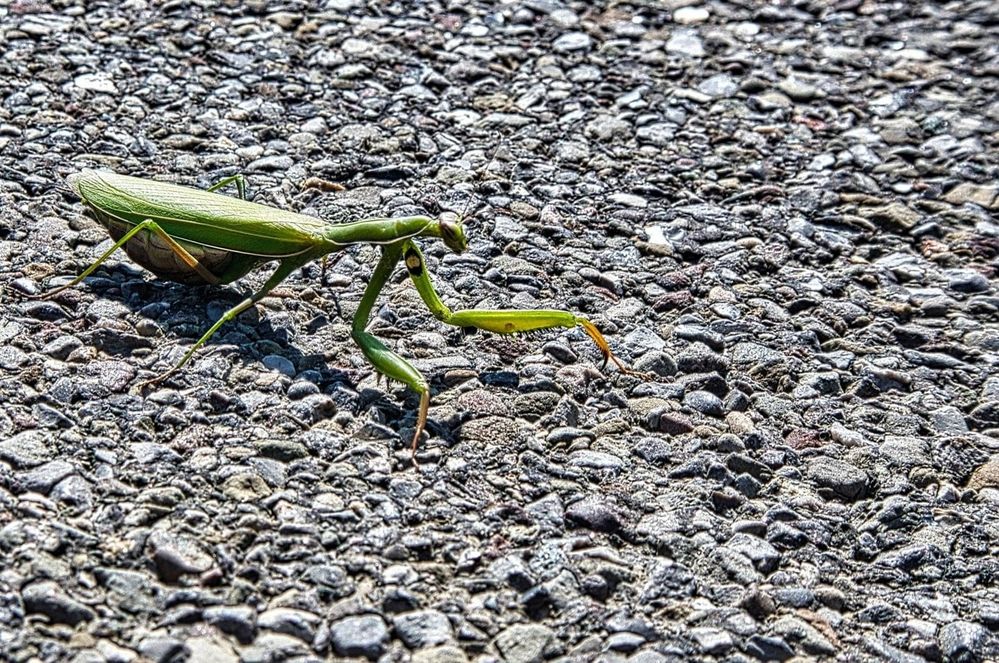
(145, 226)
(285, 268)
(509, 321)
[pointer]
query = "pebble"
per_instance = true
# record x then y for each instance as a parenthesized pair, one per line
(595, 514)
(42, 478)
(280, 364)
(686, 43)
(962, 640)
(985, 475)
(237, 621)
(440, 654)
(211, 649)
(245, 487)
(690, 15)
(704, 402)
(97, 82)
(423, 628)
(769, 648)
(26, 449)
(699, 358)
(572, 41)
(842, 479)
(596, 460)
(299, 624)
(967, 281)
(712, 641)
(719, 85)
(524, 643)
(273, 163)
(966, 192)
(362, 635)
(163, 649)
(49, 598)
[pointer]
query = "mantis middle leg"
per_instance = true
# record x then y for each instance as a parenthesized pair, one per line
(508, 321)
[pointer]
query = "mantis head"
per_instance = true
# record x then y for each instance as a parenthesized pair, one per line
(453, 233)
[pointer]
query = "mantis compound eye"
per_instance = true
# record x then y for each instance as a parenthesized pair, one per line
(453, 234)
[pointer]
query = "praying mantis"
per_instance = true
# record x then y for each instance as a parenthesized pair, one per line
(196, 236)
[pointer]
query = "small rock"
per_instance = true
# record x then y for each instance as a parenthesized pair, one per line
(282, 450)
(276, 163)
(949, 420)
(237, 621)
(686, 42)
(572, 41)
(842, 479)
(986, 475)
(690, 15)
(440, 654)
(73, 490)
(214, 649)
(963, 641)
(967, 281)
(280, 364)
(718, 86)
(96, 82)
(175, 555)
(26, 449)
(699, 358)
(300, 624)
(44, 477)
(594, 513)
(704, 402)
(983, 195)
(49, 598)
(712, 640)
(597, 460)
(524, 643)
(363, 635)
(245, 487)
(164, 649)
(423, 628)
(671, 423)
(767, 648)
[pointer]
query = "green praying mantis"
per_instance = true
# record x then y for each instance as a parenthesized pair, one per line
(195, 236)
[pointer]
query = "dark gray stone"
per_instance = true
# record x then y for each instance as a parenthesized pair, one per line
(49, 598)
(363, 635)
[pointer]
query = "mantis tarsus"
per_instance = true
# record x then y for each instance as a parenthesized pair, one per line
(194, 236)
